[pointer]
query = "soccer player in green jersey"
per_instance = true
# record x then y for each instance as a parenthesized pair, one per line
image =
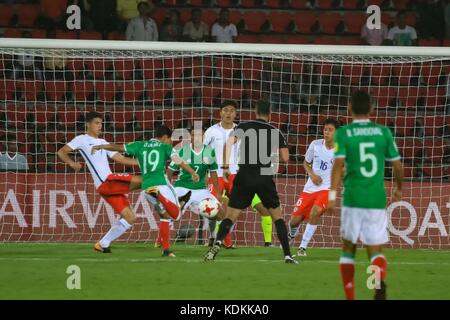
(363, 147)
(202, 159)
(152, 156)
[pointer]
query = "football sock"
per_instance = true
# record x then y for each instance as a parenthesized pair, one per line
(283, 236)
(117, 229)
(164, 231)
(380, 261)
(224, 229)
(293, 231)
(347, 266)
(212, 229)
(308, 234)
(266, 225)
(172, 209)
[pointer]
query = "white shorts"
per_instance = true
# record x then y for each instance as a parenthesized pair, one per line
(367, 225)
(168, 192)
(196, 197)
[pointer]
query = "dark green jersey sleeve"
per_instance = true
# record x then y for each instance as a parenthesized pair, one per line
(392, 153)
(339, 144)
(133, 148)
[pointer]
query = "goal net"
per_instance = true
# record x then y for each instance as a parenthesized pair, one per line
(47, 86)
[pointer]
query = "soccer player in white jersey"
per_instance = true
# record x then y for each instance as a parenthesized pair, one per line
(216, 136)
(112, 187)
(314, 198)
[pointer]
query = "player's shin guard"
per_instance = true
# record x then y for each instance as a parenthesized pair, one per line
(224, 229)
(172, 209)
(117, 229)
(379, 260)
(164, 231)
(283, 236)
(266, 225)
(347, 266)
(309, 232)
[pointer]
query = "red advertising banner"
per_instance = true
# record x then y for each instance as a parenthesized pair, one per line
(66, 208)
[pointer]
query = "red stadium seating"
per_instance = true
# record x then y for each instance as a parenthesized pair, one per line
(209, 94)
(98, 67)
(434, 125)
(115, 35)
(132, 91)
(434, 97)
(56, 90)
(7, 89)
(69, 117)
(408, 96)
(429, 42)
(304, 21)
(408, 147)
(247, 3)
(44, 116)
(329, 21)
(227, 67)
(6, 13)
(327, 40)
(76, 66)
(157, 92)
(174, 67)
(235, 16)
(279, 20)
(353, 72)
(159, 15)
(404, 125)
(273, 3)
(27, 14)
(400, 4)
(60, 34)
(404, 72)
(351, 41)
(120, 118)
(298, 4)
(248, 38)
(145, 118)
(350, 4)
(82, 90)
(16, 116)
(252, 69)
(150, 68)
(254, 20)
(231, 93)
(354, 21)
(209, 16)
(379, 73)
(106, 90)
(124, 68)
(182, 93)
(384, 95)
(431, 72)
(13, 33)
(30, 89)
(38, 34)
(297, 39)
(223, 3)
(325, 4)
(90, 35)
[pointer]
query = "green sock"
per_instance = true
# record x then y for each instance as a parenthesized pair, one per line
(266, 225)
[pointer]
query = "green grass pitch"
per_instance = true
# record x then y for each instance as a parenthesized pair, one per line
(137, 271)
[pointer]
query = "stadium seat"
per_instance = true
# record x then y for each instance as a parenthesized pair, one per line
(252, 68)
(273, 3)
(30, 89)
(404, 72)
(235, 16)
(247, 3)
(38, 34)
(44, 116)
(6, 14)
(254, 20)
(7, 90)
(145, 118)
(304, 21)
(408, 147)
(354, 21)
(56, 90)
(435, 97)
(182, 93)
(296, 39)
(446, 43)
(376, 2)
(434, 150)
(400, 4)
(16, 116)
(411, 19)
(353, 72)
(429, 42)
(350, 4)
(329, 22)
(60, 34)
(326, 4)
(209, 95)
(98, 67)
(13, 33)
(157, 91)
(404, 125)
(384, 95)
(173, 67)
(434, 125)
(435, 172)
(326, 40)
(279, 20)
(380, 74)
(115, 35)
(248, 38)
(159, 15)
(27, 14)
(408, 96)
(196, 3)
(83, 90)
(228, 68)
(120, 119)
(431, 73)
(223, 3)
(298, 4)
(209, 16)
(69, 117)
(351, 41)
(231, 93)
(151, 68)
(132, 91)
(106, 90)
(124, 69)
(90, 35)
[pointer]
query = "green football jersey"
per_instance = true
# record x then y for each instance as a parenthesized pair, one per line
(201, 162)
(365, 146)
(152, 156)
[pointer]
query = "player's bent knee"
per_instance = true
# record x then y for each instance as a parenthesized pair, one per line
(128, 215)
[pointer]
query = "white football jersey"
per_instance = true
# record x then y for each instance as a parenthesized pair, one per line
(97, 163)
(322, 161)
(216, 137)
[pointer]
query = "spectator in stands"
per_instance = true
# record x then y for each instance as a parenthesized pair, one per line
(26, 68)
(402, 34)
(55, 68)
(142, 28)
(447, 18)
(53, 13)
(374, 37)
(224, 31)
(171, 30)
(103, 14)
(128, 9)
(431, 19)
(11, 159)
(196, 30)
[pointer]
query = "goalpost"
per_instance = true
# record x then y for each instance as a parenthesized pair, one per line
(46, 86)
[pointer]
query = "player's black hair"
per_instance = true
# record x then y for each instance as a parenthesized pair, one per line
(263, 107)
(163, 130)
(360, 102)
(334, 122)
(227, 103)
(92, 115)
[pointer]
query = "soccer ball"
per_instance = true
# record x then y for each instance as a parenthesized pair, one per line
(209, 208)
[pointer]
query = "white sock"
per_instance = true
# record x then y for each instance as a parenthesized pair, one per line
(117, 229)
(309, 232)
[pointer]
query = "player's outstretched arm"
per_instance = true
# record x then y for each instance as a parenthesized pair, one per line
(109, 147)
(336, 177)
(398, 179)
(63, 154)
(125, 160)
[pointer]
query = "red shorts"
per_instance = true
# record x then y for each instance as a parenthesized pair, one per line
(306, 202)
(227, 186)
(115, 189)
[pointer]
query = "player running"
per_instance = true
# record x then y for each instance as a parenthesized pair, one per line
(216, 137)
(112, 187)
(363, 147)
(203, 160)
(314, 198)
(152, 156)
